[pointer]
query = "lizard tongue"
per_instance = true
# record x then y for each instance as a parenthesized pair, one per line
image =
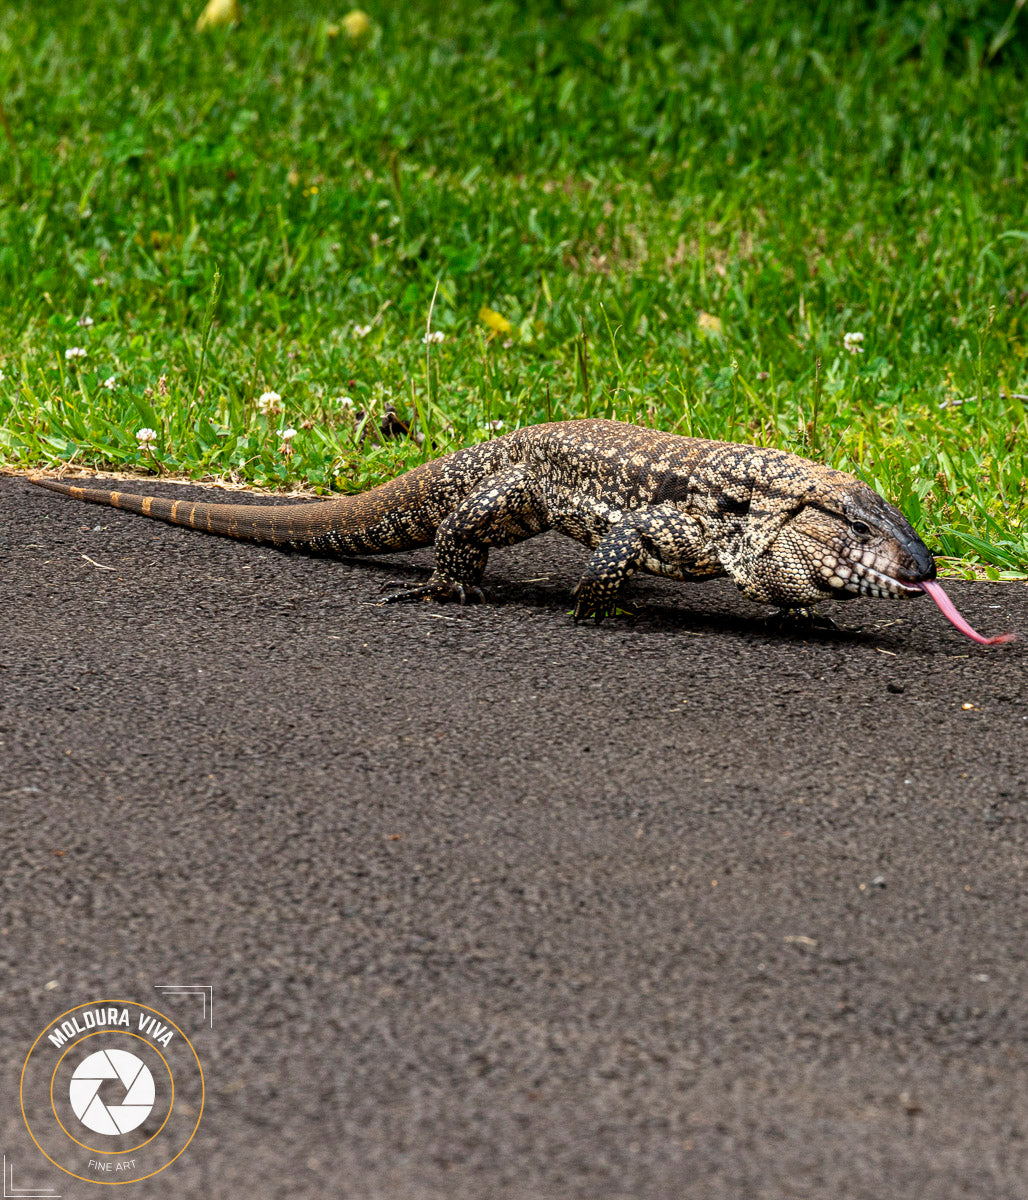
(949, 611)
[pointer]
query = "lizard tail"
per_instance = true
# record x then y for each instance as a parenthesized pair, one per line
(400, 514)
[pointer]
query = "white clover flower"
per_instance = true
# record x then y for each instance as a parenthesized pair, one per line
(494, 425)
(145, 436)
(361, 331)
(287, 435)
(852, 342)
(74, 352)
(86, 321)
(344, 401)
(110, 383)
(269, 402)
(436, 335)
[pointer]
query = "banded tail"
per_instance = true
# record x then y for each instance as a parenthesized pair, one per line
(400, 514)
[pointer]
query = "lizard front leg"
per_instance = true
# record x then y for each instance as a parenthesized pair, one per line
(617, 556)
(659, 540)
(505, 509)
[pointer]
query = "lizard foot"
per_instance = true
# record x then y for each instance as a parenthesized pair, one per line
(439, 589)
(596, 602)
(799, 618)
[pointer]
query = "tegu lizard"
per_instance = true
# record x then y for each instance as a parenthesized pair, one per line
(785, 530)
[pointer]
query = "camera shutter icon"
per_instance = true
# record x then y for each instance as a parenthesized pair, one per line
(100, 1115)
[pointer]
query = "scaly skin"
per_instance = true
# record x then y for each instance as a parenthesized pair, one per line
(786, 530)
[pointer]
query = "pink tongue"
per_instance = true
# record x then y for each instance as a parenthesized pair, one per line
(948, 610)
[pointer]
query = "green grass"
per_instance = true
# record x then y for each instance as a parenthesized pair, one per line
(602, 175)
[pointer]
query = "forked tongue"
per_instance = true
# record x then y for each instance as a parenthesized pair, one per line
(949, 611)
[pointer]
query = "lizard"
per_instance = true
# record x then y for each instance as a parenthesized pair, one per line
(786, 530)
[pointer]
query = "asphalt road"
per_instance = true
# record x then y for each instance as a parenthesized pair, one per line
(494, 906)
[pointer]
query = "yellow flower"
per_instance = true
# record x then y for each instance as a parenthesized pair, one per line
(356, 24)
(218, 12)
(496, 322)
(708, 323)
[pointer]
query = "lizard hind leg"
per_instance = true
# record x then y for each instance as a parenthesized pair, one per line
(505, 509)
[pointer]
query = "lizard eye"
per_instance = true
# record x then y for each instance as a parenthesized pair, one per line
(860, 528)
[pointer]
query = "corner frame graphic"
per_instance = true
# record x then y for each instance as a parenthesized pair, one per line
(16, 1193)
(204, 990)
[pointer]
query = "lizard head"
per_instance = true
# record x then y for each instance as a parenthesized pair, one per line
(842, 539)
(851, 542)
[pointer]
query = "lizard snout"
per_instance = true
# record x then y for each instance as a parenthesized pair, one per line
(917, 563)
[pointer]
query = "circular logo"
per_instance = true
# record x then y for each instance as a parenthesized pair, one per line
(112, 1091)
(95, 1073)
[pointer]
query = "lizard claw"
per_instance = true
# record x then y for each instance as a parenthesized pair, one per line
(439, 589)
(799, 618)
(595, 601)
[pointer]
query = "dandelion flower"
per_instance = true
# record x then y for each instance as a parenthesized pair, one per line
(436, 335)
(497, 322)
(74, 352)
(218, 12)
(145, 436)
(852, 342)
(269, 402)
(356, 25)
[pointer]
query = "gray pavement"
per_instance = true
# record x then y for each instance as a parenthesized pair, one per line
(495, 906)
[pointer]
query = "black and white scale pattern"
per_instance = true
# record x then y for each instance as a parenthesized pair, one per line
(786, 530)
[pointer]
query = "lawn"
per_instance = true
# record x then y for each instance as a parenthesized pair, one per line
(619, 210)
